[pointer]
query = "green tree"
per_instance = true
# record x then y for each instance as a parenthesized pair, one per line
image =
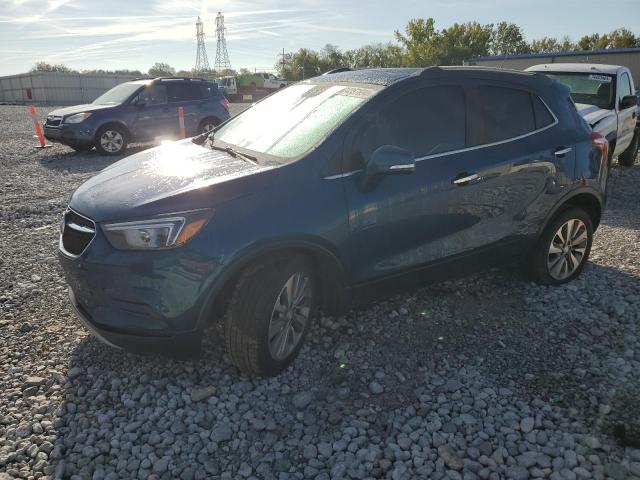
(462, 41)
(161, 70)
(49, 67)
(380, 55)
(420, 41)
(552, 45)
(507, 39)
(623, 38)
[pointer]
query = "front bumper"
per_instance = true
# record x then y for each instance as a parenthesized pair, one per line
(182, 345)
(78, 134)
(143, 302)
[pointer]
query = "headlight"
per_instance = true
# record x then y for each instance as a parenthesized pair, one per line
(157, 233)
(77, 118)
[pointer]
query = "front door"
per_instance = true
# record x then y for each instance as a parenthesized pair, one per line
(626, 117)
(153, 118)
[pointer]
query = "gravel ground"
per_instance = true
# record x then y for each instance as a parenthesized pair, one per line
(486, 377)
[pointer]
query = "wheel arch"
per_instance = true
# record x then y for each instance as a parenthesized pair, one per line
(116, 123)
(587, 199)
(331, 272)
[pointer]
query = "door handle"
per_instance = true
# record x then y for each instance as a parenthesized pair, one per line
(562, 151)
(464, 178)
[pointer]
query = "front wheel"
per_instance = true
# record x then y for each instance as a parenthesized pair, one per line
(111, 140)
(628, 157)
(207, 125)
(563, 249)
(269, 315)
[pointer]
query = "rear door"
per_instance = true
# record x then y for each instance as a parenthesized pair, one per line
(626, 117)
(187, 95)
(519, 159)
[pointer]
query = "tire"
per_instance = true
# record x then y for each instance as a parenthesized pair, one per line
(111, 140)
(628, 157)
(544, 264)
(252, 316)
(208, 122)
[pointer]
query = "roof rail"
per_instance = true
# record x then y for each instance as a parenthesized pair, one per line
(428, 71)
(337, 70)
(181, 78)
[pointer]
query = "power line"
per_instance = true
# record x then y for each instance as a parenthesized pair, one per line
(222, 56)
(202, 61)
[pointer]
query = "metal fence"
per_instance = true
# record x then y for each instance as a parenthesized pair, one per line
(53, 88)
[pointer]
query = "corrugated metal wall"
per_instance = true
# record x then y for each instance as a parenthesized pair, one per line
(631, 60)
(51, 88)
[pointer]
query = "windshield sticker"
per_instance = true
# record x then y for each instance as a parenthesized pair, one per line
(600, 78)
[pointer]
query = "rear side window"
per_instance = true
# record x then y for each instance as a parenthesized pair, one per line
(541, 113)
(424, 122)
(183, 92)
(507, 113)
(209, 91)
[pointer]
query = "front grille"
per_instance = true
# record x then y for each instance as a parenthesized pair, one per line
(76, 233)
(53, 121)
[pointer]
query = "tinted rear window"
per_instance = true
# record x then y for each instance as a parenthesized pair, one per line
(507, 113)
(183, 92)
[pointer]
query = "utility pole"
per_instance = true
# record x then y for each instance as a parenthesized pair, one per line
(222, 57)
(283, 62)
(202, 62)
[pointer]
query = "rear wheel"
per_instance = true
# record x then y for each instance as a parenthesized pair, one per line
(111, 140)
(563, 248)
(208, 124)
(628, 157)
(269, 315)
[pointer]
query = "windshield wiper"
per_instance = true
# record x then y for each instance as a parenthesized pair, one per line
(235, 153)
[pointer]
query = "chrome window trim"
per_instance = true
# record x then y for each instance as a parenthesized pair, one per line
(466, 149)
(61, 246)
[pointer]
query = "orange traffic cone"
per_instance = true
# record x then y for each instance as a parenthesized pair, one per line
(36, 124)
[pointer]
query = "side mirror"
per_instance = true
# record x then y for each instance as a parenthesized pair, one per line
(628, 101)
(386, 160)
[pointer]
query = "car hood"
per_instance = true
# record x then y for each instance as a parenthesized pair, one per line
(592, 114)
(175, 177)
(88, 107)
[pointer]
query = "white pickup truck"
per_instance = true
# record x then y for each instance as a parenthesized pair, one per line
(604, 97)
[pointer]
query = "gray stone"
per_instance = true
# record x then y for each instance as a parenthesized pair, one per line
(302, 399)
(450, 457)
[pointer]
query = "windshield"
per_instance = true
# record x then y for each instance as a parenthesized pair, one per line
(293, 120)
(118, 94)
(590, 88)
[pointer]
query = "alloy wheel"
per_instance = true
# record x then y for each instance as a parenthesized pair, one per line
(207, 127)
(290, 316)
(567, 249)
(111, 141)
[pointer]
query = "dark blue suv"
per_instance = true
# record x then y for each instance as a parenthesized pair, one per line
(325, 193)
(138, 111)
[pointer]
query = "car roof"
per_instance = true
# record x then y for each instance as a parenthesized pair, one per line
(576, 67)
(389, 76)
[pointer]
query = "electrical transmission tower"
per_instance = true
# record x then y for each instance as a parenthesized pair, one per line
(202, 62)
(222, 57)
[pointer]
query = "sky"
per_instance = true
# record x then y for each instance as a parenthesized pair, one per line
(134, 34)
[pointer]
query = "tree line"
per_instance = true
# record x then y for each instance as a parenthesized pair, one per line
(421, 44)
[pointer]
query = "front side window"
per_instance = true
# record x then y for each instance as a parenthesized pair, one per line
(292, 121)
(153, 95)
(424, 122)
(590, 88)
(506, 113)
(625, 85)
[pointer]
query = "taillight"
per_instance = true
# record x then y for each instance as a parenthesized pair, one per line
(600, 143)
(225, 103)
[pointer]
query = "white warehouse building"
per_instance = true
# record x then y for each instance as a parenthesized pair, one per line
(54, 88)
